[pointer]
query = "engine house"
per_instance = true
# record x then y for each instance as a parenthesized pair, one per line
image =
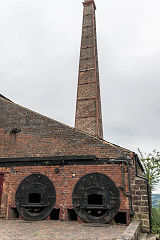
(49, 170)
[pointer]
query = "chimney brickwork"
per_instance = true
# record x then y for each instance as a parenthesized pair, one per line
(88, 107)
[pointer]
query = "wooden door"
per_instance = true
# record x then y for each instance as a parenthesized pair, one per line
(1, 185)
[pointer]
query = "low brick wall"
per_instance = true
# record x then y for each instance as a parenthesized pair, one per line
(132, 232)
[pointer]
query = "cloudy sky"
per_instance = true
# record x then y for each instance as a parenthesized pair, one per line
(39, 56)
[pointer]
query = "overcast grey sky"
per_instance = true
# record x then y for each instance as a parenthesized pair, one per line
(39, 56)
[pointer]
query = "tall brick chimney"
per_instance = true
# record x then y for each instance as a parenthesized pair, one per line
(88, 108)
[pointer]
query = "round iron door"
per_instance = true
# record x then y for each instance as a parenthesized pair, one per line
(35, 197)
(95, 198)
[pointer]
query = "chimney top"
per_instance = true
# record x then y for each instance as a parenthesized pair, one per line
(87, 2)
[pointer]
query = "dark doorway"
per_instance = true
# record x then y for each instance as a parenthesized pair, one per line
(120, 217)
(72, 216)
(1, 185)
(55, 214)
(14, 213)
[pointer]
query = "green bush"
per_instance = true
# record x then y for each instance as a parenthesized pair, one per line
(156, 220)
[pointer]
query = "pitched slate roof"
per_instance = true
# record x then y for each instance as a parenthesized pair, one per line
(68, 140)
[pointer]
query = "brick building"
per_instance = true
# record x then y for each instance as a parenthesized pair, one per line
(49, 170)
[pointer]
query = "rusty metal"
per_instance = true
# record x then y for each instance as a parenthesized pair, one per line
(1, 185)
(96, 198)
(35, 197)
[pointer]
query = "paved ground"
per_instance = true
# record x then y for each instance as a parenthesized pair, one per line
(56, 230)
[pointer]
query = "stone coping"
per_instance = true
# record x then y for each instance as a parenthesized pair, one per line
(132, 232)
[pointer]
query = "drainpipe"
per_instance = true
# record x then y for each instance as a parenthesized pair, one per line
(129, 195)
(125, 193)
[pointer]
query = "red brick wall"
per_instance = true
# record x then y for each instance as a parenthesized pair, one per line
(63, 182)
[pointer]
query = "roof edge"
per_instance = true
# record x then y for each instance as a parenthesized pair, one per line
(3, 97)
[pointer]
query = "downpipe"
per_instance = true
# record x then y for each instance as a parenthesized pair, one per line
(129, 195)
